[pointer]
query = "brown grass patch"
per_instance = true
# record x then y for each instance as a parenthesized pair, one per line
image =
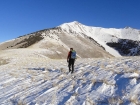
(3, 61)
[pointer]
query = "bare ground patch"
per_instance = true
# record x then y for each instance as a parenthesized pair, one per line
(3, 61)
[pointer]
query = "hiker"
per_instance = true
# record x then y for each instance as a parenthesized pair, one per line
(71, 59)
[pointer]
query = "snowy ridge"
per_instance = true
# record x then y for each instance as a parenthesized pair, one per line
(126, 33)
(103, 35)
(37, 80)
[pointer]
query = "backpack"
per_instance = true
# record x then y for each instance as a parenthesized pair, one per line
(73, 55)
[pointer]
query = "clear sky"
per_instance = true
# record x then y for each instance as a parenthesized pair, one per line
(20, 17)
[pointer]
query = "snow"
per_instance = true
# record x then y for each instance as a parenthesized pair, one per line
(33, 79)
(102, 35)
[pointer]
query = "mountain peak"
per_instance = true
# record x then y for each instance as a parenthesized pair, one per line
(73, 27)
(74, 23)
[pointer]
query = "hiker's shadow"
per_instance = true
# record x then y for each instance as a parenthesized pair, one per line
(40, 69)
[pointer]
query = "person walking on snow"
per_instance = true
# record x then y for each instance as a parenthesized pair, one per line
(71, 59)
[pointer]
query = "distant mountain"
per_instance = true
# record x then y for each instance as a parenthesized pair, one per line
(89, 42)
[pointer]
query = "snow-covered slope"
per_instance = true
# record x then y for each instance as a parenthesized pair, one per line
(29, 78)
(103, 35)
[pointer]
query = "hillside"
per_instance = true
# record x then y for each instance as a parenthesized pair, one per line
(56, 43)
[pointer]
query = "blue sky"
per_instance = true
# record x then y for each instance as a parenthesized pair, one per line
(20, 17)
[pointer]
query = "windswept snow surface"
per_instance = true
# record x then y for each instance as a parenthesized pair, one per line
(32, 79)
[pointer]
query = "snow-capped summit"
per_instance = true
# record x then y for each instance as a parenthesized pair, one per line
(73, 23)
(105, 36)
(126, 33)
(73, 27)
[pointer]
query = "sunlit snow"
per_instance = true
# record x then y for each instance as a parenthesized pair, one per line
(32, 79)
